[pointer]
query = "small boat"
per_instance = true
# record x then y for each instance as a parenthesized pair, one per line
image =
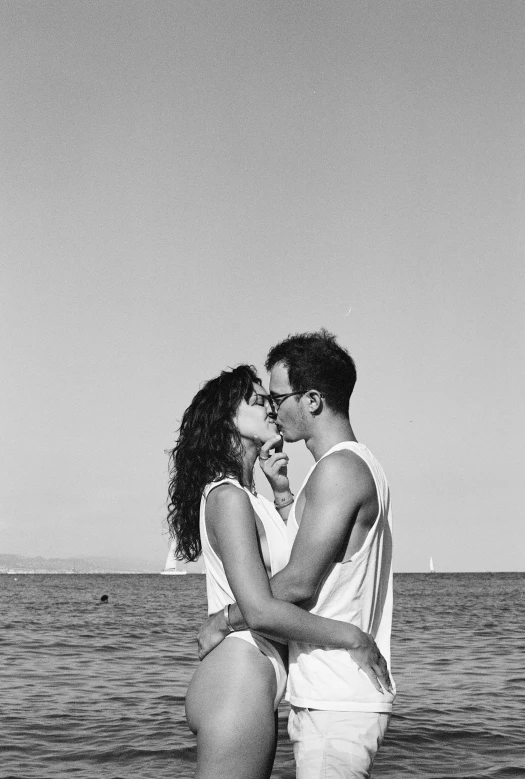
(173, 566)
(432, 570)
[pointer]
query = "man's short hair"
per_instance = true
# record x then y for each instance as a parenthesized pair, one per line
(316, 361)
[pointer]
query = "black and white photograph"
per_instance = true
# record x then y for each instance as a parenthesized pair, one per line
(263, 351)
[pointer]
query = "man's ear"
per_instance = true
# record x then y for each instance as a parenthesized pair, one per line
(315, 402)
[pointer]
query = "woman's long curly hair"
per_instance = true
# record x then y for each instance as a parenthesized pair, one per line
(208, 448)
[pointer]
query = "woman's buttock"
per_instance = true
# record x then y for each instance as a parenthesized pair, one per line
(234, 672)
(276, 653)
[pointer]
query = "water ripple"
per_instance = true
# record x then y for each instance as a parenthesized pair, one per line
(97, 691)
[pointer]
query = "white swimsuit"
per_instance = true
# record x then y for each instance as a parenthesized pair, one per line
(217, 587)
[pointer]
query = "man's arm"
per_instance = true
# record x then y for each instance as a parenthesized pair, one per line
(335, 493)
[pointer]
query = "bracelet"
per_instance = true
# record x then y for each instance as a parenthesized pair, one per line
(226, 614)
(286, 503)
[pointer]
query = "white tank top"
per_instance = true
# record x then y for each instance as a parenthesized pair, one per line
(217, 587)
(359, 591)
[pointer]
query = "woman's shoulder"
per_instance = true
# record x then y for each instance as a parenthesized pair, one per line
(226, 501)
(225, 491)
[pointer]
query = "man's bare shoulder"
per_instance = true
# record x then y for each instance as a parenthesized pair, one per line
(342, 470)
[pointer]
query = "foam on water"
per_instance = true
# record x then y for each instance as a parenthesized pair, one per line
(96, 691)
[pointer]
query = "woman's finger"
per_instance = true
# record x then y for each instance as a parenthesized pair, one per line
(277, 456)
(264, 453)
(276, 459)
(280, 456)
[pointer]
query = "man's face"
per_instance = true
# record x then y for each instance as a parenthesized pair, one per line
(290, 414)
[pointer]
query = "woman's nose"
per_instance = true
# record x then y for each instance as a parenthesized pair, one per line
(273, 410)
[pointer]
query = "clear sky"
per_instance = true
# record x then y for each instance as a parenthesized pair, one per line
(185, 183)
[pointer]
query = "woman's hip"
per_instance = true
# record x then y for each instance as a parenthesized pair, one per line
(234, 677)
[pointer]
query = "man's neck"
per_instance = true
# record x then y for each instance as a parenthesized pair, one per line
(329, 433)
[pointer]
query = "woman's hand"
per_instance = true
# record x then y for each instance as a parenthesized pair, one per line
(275, 466)
(370, 660)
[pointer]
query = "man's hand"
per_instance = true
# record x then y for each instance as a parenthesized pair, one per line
(211, 633)
(371, 661)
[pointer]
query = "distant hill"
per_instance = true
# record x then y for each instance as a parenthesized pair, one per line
(14, 563)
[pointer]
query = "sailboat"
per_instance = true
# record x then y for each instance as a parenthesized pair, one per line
(432, 566)
(173, 566)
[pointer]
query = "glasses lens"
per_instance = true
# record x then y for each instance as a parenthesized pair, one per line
(278, 400)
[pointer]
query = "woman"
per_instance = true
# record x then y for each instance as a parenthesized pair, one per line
(214, 508)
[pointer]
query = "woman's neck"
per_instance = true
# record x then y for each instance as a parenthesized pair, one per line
(248, 461)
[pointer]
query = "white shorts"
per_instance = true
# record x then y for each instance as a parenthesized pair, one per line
(268, 650)
(335, 744)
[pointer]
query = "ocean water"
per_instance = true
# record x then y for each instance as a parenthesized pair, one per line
(97, 691)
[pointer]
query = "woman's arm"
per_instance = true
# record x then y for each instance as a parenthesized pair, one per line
(275, 468)
(230, 522)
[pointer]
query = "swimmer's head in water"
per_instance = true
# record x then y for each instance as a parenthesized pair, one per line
(104, 599)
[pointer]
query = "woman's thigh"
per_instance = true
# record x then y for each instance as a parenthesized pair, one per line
(229, 705)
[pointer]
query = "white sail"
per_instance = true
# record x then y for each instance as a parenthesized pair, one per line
(173, 566)
(432, 566)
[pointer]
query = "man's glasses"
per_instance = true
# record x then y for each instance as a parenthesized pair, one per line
(278, 400)
(275, 401)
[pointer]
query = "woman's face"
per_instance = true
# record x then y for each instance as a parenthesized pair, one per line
(255, 418)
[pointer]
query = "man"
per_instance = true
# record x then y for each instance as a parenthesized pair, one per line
(341, 560)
